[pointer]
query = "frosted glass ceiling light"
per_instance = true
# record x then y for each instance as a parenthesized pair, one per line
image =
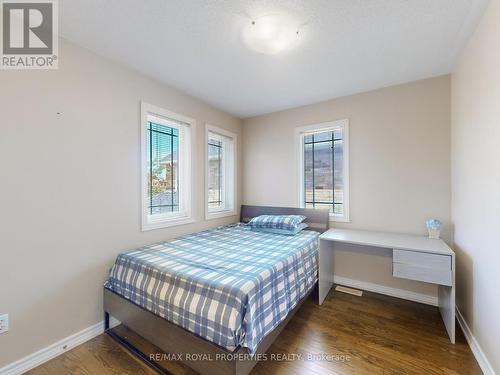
(270, 34)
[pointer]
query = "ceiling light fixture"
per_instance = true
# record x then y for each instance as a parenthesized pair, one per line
(271, 34)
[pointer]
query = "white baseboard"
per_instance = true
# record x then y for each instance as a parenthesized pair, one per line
(382, 289)
(52, 351)
(36, 359)
(481, 358)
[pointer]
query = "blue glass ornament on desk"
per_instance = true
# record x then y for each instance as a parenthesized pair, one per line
(434, 228)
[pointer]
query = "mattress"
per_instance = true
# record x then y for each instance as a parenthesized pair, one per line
(229, 285)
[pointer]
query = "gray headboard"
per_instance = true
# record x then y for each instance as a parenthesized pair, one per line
(317, 219)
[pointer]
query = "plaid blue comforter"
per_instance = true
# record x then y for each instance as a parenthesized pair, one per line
(229, 285)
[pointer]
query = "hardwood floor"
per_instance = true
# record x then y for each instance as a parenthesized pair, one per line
(372, 334)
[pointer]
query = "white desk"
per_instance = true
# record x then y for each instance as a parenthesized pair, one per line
(413, 257)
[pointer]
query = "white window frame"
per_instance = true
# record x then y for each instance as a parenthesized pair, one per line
(302, 131)
(186, 127)
(230, 174)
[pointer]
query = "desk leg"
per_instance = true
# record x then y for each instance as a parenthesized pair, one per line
(446, 298)
(325, 269)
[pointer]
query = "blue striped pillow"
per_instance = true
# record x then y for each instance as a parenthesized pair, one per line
(284, 232)
(286, 222)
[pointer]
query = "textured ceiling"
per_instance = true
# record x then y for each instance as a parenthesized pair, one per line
(345, 47)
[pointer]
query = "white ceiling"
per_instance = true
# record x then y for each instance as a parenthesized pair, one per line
(345, 46)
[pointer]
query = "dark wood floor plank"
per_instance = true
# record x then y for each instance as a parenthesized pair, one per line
(372, 335)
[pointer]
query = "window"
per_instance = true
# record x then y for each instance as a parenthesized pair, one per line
(221, 173)
(166, 168)
(323, 169)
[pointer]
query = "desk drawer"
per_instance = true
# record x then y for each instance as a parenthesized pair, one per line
(421, 259)
(414, 265)
(430, 275)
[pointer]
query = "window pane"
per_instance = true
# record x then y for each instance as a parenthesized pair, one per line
(338, 209)
(324, 206)
(215, 153)
(220, 173)
(323, 136)
(337, 134)
(323, 171)
(308, 138)
(161, 210)
(163, 163)
(339, 172)
(308, 173)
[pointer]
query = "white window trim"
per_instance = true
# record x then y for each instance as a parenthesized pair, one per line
(300, 132)
(185, 170)
(209, 215)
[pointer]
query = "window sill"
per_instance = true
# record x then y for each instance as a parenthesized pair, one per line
(166, 223)
(339, 219)
(219, 214)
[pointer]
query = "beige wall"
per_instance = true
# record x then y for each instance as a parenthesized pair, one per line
(399, 166)
(69, 197)
(476, 182)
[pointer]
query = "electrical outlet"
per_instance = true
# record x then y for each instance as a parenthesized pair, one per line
(4, 323)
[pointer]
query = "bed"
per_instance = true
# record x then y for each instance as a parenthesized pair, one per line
(223, 294)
